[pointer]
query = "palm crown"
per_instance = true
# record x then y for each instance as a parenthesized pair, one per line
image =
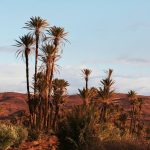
(36, 24)
(86, 73)
(57, 34)
(25, 43)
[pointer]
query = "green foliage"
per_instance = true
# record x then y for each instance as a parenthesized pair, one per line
(11, 135)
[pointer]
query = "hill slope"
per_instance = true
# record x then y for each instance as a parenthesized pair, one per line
(13, 103)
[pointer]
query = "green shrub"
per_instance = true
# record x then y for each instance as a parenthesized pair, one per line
(11, 135)
(8, 136)
(22, 135)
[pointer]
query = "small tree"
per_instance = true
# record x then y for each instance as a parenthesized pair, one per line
(86, 74)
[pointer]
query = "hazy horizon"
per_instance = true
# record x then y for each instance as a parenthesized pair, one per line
(103, 34)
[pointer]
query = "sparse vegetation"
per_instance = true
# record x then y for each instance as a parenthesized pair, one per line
(97, 124)
(11, 135)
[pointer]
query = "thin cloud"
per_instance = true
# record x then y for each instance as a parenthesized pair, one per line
(12, 78)
(7, 49)
(120, 60)
(137, 26)
(133, 61)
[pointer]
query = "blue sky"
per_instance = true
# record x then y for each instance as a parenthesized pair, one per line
(103, 34)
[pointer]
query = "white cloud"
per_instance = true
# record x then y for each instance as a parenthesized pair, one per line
(12, 78)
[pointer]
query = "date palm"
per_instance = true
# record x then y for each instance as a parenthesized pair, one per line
(56, 35)
(133, 101)
(106, 92)
(59, 95)
(25, 45)
(86, 95)
(47, 58)
(37, 25)
(132, 95)
(86, 74)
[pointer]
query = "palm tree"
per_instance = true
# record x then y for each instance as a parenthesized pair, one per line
(133, 101)
(36, 24)
(59, 96)
(86, 74)
(105, 93)
(132, 94)
(47, 58)
(87, 95)
(25, 44)
(56, 35)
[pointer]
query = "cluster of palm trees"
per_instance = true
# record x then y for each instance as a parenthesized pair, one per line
(48, 93)
(109, 111)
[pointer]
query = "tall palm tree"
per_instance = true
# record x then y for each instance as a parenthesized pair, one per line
(86, 74)
(56, 35)
(37, 25)
(47, 59)
(25, 44)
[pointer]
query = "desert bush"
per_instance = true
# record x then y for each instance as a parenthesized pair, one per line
(79, 129)
(109, 132)
(11, 135)
(22, 135)
(8, 136)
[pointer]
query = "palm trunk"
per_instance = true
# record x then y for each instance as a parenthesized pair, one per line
(27, 74)
(28, 87)
(86, 82)
(47, 92)
(36, 62)
(55, 117)
(56, 43)
(51, 77)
